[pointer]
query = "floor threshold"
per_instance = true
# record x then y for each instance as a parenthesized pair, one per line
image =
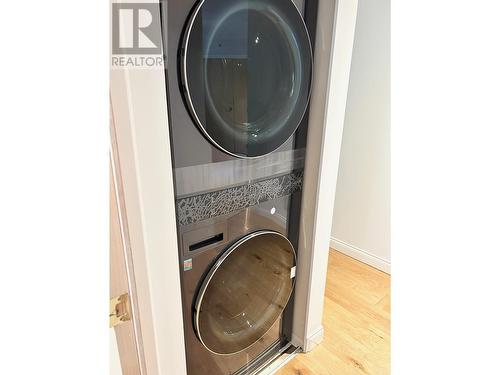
(279, 361)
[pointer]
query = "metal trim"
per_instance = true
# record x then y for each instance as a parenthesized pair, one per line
(187, 95)
(213, 270)
(277, 361)
(263, 358)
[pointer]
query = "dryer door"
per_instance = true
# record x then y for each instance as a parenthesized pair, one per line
(245, 292)
(246, 69)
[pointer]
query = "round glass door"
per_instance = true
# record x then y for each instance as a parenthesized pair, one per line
(245, 292)
(246, 68)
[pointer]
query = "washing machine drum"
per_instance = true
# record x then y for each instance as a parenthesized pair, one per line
(246, 70)
(245, 292)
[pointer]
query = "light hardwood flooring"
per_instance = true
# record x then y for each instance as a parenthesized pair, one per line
(356, 320)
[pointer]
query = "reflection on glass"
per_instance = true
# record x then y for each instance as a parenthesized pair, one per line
(248, 66)
(246, 294)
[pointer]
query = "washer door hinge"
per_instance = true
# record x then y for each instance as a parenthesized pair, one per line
(119, 310)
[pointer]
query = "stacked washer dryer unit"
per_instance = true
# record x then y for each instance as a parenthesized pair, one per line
(238, 82)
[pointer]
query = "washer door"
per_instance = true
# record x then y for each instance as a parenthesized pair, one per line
(246, 68)
(245, 292)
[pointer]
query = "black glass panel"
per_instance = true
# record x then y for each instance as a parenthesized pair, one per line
(247, 72)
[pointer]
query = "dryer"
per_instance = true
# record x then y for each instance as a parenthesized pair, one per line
(238, 76)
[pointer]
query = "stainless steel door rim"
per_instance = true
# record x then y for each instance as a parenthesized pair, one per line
(245, 292)
(241, 138)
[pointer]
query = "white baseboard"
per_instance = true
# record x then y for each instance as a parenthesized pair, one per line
(310, 342)
(314, 340)
(361, 255)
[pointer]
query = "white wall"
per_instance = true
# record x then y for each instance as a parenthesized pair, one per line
(361, 219)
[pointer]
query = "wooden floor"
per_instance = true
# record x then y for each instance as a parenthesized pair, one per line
(356, 320)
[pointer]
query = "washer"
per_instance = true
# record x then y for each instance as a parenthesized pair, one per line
(238, 85)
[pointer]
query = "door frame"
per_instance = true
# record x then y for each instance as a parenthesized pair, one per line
(332, 62)
(142, 140)
(139, 106)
